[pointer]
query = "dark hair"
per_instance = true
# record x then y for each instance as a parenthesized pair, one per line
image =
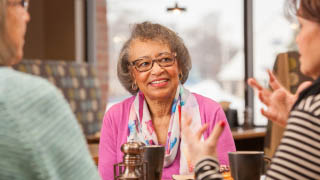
(308, 9)
(155, 32)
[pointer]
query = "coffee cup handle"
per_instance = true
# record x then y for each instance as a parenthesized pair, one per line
(267, 159)
(267, 163)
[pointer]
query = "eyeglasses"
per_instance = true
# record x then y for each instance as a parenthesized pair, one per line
(22, 3)
(146, 63)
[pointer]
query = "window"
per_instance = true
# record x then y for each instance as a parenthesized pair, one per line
(273, 34)
(211, 29)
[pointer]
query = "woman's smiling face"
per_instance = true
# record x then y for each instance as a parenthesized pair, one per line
(158, 83)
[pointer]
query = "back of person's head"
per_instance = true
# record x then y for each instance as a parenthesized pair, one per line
(307, 9)
(6, 48)
(152, 31)
(2, 12)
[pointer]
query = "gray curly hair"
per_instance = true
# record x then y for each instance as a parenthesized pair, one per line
(157, 32)
(6, 49)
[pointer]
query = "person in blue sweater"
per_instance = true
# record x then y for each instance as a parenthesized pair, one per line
(40, 138)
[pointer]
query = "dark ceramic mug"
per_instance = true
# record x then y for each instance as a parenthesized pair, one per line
(154, 155)
(248, 165)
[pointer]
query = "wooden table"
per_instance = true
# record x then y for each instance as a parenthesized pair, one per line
(251, 139)
(242, 133)
(94, 151)
(245, 139)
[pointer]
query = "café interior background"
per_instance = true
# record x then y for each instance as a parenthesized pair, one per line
(213, 31)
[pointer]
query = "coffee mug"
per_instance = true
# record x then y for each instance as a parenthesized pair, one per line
(154, 155)
(247, 165)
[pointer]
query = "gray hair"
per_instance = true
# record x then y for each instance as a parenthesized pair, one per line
(156, 32)
(6, 49)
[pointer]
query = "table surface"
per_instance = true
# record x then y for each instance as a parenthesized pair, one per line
(248, 133)
(94, 151)
(238, 133)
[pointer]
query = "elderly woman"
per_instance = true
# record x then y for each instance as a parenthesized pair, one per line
(298, 155)
(153, 65)
(40, 138)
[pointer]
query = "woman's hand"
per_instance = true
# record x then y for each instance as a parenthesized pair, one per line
(198, 149)
(279, 101)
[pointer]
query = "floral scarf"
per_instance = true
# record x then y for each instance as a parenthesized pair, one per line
(141, 126)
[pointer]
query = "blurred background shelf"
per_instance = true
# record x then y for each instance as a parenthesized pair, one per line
(251, 139)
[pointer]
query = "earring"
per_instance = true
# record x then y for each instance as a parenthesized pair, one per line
(180, 76)
(134, 86)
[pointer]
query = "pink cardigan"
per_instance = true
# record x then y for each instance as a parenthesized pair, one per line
(114, 133)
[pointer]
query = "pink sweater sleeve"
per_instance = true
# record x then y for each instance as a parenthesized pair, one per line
(107, 148)
(211, 113)
(226, 141)
(114, 132)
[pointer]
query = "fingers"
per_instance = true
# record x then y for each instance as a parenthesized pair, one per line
(274, 83)
(214, 136)
(254, 84)
(272, 77)
(201, 131)
(186, 130)
(186, 119)
(264, 98)
(269, 115)
(185, 126)
(279, 96)
(276, 118)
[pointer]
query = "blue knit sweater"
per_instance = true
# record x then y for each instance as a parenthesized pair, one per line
(40, 138)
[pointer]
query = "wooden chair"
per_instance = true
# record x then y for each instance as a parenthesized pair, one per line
(287, 71)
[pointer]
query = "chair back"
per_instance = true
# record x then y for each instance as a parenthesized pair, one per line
(79, 85)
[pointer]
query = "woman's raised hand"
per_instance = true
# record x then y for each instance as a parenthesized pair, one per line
(278, 100)
(198, 149)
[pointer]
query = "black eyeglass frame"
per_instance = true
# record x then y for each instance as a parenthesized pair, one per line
(158, 59)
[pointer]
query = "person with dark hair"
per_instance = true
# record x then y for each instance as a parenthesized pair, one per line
(40, 138)
(298, 155)
(153, 66)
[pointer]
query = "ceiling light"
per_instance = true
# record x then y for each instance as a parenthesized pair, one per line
(176, 9)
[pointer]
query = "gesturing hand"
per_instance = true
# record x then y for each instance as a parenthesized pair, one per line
(279, 101)
(198, 149)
